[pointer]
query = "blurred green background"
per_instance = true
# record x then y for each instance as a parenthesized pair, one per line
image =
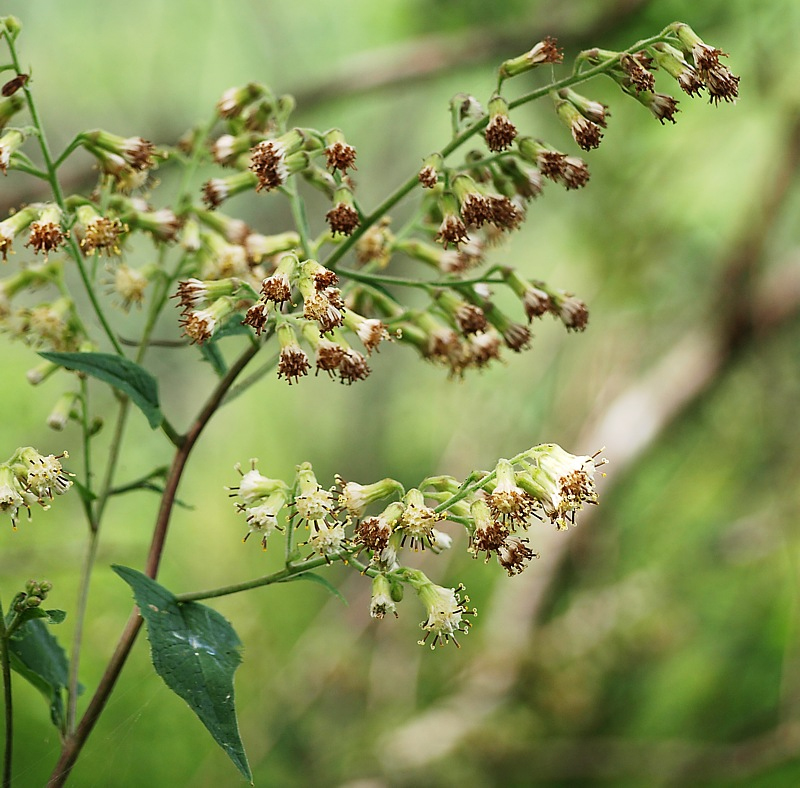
(657, 643)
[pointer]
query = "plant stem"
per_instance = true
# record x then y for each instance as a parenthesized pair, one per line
(88, 565)
(289, 571)
(7, 701)
(299, 215)
(74, 742)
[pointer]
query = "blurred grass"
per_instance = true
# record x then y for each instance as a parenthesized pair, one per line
(673, 616)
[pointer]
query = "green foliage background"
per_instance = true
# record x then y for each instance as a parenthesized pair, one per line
(655, 645)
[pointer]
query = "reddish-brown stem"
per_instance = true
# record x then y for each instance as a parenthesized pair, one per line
(74, 743)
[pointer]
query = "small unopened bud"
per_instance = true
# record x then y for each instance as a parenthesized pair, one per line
(63, 411)
(10, 107)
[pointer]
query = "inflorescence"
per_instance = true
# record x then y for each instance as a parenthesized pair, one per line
(328, 317)
(375, 526)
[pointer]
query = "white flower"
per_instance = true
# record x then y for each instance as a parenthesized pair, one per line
(445, 613)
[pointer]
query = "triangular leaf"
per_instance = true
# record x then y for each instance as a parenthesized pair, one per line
(37, 657)
(122, 374)
(196, 651)
(320, 581)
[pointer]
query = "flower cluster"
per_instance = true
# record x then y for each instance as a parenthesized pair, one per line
(28, 477)
(374, 526)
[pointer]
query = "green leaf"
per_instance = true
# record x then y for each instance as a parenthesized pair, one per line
(37, 657)
(212, 354)
(320, 581)
(50, 616)
(122, 374)
(196, 651)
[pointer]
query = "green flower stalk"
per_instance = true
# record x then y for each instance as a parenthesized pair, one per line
(233, 231)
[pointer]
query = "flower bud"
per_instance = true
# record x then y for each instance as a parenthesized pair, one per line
(10, 107)
(9, 143)
(381, 601)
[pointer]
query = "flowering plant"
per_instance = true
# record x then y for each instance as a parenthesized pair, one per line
(322, 295)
